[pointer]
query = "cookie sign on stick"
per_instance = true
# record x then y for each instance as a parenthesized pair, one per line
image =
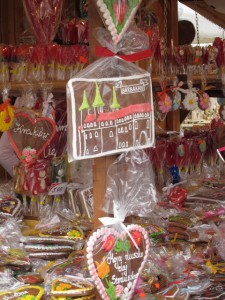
(116, 259)
(117, 15)
(30, 135)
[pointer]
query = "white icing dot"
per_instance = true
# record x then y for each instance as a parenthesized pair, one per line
(103, 8)
(106, 15)
(90, 261)
(99, 2)
(89, 255)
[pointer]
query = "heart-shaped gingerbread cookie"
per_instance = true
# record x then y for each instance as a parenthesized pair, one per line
(115, 260)
(29, 136)
(117, 15)
(25, 293)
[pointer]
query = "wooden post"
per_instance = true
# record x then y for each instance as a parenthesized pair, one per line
(173, 118)
(100, 165)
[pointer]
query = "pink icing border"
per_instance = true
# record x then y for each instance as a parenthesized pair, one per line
(90, 248)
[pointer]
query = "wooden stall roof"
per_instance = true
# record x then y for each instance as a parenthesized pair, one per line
(208, 11)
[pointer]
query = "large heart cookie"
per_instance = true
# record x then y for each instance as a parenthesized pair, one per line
(29, 136)
(117, 15)
(115, 260)
(44, 17)
(25, 293)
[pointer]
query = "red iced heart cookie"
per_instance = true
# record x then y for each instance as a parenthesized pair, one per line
(29, 136)
(115, 260)
(44, 17)
(117, 15)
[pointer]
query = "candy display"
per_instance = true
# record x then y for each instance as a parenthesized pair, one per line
(110, 105)
(161, 233)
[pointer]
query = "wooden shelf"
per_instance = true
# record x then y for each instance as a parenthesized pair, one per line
(60, 86)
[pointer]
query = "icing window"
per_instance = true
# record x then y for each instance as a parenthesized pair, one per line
(111, 134)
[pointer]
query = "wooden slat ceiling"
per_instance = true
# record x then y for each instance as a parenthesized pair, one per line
(207, 11)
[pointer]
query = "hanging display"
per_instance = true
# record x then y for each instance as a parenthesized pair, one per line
(117, 15)
(30, 135)
(110, 109)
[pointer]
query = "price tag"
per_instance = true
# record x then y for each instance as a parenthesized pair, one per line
(57, 189)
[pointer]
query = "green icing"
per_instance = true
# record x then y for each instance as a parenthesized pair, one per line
(98, 102)
(111, 290)
(85, 104)
(115, 103)
(122, 246)
(131, 4)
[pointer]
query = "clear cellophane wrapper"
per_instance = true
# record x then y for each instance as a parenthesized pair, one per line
(116, 91)
(116, 253)
(44, 18)
(131, 185)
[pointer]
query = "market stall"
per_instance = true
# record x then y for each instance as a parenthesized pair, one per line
(107, 199)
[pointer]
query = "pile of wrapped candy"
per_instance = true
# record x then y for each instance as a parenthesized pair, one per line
(178, 240)
(40, 63)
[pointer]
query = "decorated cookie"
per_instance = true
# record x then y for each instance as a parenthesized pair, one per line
(49, 255)
(49, 241)
(48, 248)
(10, 206)
(154, 231)
(117, 15)
(115, 260)
(29, 136)
(68, 231)
(25, 293)
(30, 278)
(90, 297)
(71, 286)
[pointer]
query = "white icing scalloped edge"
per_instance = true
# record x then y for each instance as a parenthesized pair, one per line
(91, 265)
(109, 21)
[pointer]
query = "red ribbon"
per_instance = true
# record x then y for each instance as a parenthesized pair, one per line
(105, 52)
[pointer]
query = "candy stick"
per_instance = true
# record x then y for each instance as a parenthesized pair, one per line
(52, 54)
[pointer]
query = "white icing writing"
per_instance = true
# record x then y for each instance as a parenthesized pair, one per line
(37, 132)
(123, 279)
(121, 266)
(15, 295)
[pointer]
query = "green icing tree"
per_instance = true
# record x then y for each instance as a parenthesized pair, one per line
(85, 104)
(98, 102)
(115, 103)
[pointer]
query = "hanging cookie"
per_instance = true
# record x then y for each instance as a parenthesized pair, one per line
(117, 15)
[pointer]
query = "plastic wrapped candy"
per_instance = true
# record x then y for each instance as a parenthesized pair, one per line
(116, 253)
(44, 17)
(110, 105)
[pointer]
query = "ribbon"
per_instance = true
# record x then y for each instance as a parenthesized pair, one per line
(105, 52)
(118, 219)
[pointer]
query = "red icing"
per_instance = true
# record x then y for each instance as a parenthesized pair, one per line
(123, 112)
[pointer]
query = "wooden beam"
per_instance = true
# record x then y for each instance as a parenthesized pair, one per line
(100, 165)
(206, 11)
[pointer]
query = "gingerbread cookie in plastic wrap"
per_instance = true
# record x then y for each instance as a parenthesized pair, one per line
(110, 103)
(117, 253)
